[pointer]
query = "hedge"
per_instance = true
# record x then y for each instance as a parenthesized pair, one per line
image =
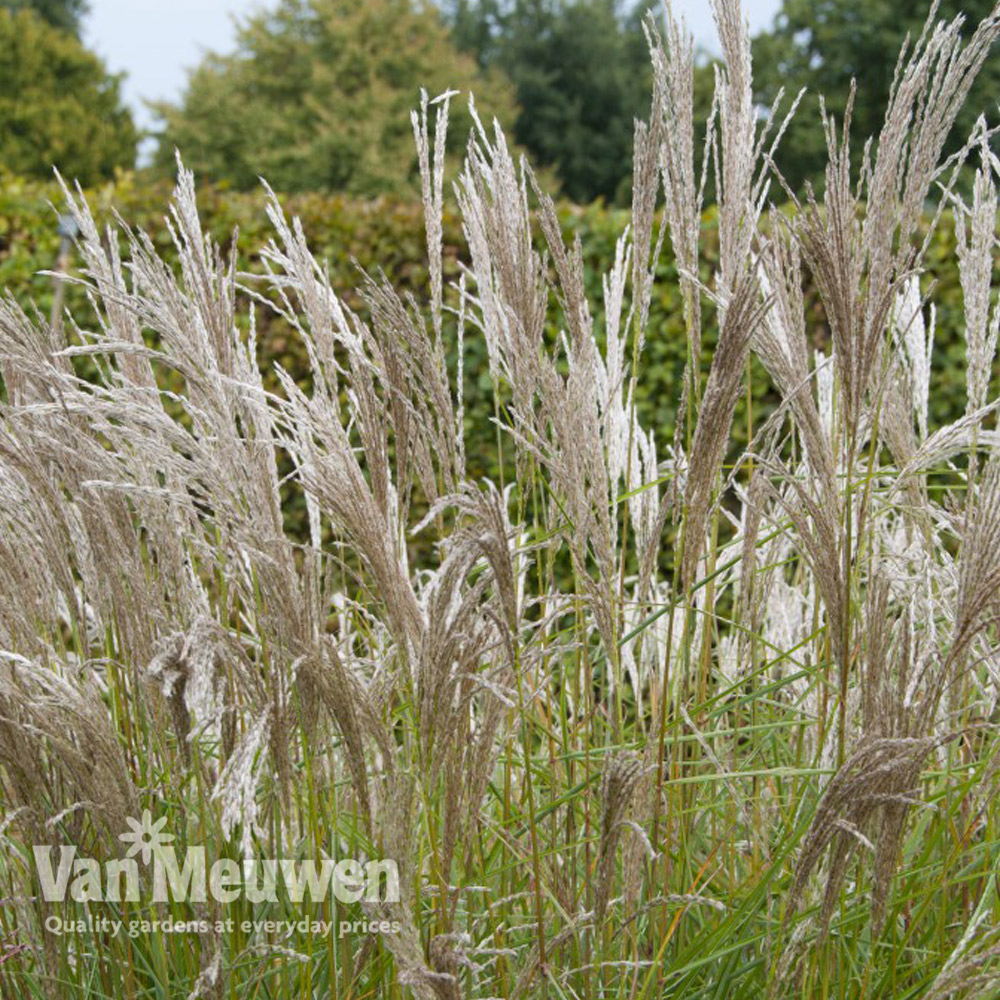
(389, 234)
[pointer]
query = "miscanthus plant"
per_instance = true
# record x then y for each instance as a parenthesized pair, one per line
(649, 717)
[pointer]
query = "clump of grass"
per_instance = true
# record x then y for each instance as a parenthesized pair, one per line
(644, 718)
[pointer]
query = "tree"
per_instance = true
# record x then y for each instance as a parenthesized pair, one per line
(581, 73)
(318, 94)
(823, 44)
(64, 14)
(59, 106)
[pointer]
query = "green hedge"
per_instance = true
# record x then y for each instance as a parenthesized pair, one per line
(389, 234)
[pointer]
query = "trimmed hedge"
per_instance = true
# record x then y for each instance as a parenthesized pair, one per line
(388, 233)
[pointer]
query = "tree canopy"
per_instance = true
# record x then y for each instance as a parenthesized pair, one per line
(317, 97)
(59, 106)
(824, 44)
(581, 73)
(64, 14)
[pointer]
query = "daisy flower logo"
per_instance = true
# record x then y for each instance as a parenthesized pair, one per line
(146, 837)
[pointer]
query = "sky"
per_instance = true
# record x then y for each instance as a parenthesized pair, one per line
(155, 42)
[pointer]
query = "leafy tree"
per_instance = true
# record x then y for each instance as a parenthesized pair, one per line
(823, 44)
(59, 106)
(317, 97)
(581, 73)
(64, 14)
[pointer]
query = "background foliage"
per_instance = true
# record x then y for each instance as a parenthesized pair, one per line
(317, 97)
(64, 14)
(317, 93)
(825, 44)
(388, 233)
(59, 106)
(582, 77)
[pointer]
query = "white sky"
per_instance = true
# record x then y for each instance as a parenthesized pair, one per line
(155, 41)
